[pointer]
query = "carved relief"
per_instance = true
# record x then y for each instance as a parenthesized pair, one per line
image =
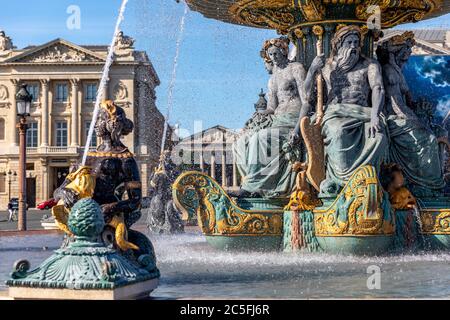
(274, 14)
(3, 93)
(59, 53)
(120, 92)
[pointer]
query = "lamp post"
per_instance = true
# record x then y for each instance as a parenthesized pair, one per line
(23, 101)
(11, 175)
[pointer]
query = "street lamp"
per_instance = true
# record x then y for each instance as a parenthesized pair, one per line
(11, 175)
(23, 104)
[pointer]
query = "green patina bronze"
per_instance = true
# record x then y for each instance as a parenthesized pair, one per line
(85, 262)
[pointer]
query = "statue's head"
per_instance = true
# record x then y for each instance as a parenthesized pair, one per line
(111, 125)
(397, 49)
(346, 47)
(275, 52)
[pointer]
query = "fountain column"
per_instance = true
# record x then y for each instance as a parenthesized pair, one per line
(75, 112)
(44, 113)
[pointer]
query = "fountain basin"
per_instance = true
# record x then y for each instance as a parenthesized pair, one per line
(357, 245)
(245, 242)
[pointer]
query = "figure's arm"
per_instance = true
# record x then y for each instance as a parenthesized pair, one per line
(133, 187)
(378, 95)
(272, 98)
(316, 66)
(300, 79)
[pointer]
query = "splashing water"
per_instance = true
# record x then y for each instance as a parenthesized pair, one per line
(174, 76)
(103, 81)
(191, 268)
(419, 222)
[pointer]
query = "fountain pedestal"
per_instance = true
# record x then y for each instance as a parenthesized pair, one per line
(84, 268)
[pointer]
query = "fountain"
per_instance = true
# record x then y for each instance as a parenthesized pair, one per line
(330, 192)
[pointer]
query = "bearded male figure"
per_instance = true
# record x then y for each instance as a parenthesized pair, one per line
(352, 126)
(412, 145)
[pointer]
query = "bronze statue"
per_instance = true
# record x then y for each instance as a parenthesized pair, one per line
(116, 173)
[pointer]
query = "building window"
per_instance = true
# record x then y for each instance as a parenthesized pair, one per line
(62, 92)
(33, 89)
(2, 182)
(32, 135)
(94, 137)
(2, 129)
(61, 134)
(90, 92)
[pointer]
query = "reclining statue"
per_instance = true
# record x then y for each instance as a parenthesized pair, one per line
(269, 173)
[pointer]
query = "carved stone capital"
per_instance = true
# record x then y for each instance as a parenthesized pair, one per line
(15, 82)
(75, 82)
(45, 82)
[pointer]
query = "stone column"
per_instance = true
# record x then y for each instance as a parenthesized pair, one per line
(106, 90)
(213, 166)
(45, 180)
(75, 113)
(44, 113)
(235, 182)
(13, 113)
(224, 169)
(202, 164)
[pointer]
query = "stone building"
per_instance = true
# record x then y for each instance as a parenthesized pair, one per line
(428, 41)
(63, 78)
(210, 151)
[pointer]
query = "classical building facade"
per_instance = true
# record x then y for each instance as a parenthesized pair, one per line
(428, 41)
(63, 78)
(211, 152)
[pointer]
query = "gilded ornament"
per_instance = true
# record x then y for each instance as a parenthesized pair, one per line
(195, 193)
(359, 210)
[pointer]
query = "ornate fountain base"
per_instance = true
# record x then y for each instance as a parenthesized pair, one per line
(85, 268)
(251, 224)
(359, 221)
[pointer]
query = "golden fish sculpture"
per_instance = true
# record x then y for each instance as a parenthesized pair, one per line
(82, 181)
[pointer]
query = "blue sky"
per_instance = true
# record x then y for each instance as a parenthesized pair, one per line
(220, 72)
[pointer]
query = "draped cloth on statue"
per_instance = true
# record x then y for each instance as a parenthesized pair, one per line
(261, 161)
(416, 150)
(345, 129)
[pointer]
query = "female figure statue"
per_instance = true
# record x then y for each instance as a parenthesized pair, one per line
(412, 144)
(259, 156)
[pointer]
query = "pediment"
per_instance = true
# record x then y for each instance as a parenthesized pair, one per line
(57, 51)
(214, 135)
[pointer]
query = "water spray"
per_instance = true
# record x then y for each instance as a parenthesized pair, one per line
(173, 79)
(103, 81)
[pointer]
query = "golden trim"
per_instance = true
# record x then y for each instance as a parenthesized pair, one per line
(435, 222)
(217, 213)
(356, 203)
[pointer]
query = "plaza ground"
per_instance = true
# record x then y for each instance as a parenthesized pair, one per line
(34, 217)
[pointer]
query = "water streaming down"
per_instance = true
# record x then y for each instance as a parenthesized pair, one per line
(174, 76)
(104, 79)
(419, 222)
